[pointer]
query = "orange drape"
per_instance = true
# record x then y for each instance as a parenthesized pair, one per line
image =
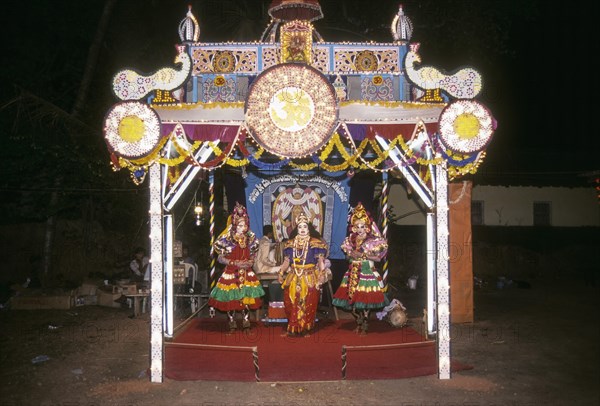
(461, 258)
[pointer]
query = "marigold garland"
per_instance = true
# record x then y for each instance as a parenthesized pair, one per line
(381, 155)
(253, 159)
(351, 154)
(183, 154)
(471, 168)
(237, 163)
(336, 142)
(303, 167)
(221, 157)
(174, 175)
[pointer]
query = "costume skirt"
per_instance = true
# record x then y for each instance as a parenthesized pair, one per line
(302, 312)
(360, 288)
(301, 296)
(236, 289)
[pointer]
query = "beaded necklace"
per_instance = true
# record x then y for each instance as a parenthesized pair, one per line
(240, 239)
(300, 253)
(358, 243)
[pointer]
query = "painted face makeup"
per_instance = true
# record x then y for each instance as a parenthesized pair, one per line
(360, 228)
(303, 229)
(241, 227)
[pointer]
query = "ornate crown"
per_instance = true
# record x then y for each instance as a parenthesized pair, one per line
(239, 213)
(360, 214)
(301, 218)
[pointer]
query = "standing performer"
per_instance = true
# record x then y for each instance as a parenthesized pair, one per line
(361, 290)
(301, 275)
(238, 288)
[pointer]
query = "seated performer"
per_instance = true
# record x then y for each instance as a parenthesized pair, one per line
(238, 288)
(301, 276)
(361, 289)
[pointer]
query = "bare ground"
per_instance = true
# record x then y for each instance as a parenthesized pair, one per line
(528, 347)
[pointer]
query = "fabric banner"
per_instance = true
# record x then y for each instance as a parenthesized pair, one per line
(461, 258)
(204, 132)
(278, 198)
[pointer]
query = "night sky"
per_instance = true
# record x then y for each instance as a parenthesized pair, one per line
(536, 60)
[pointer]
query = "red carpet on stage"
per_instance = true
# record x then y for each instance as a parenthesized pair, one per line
(204, 351)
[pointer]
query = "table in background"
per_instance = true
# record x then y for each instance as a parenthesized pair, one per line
(197, 300)
(139, 302)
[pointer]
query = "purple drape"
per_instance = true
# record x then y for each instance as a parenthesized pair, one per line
(204, 132)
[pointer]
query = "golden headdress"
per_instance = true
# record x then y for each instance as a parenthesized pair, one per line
(227, 239)
(360, 214)
(301, 218)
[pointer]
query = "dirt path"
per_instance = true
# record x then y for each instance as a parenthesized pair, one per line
(528, 347)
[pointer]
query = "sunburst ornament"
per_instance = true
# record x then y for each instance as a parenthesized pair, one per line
(466, 126)
(366, 61)
(291, 110)
(132, 129)
(224, 62)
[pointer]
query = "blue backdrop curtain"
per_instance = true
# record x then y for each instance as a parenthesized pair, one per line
(277, 197)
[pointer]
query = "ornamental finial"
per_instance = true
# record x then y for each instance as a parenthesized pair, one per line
(402, 27)
(189, 30)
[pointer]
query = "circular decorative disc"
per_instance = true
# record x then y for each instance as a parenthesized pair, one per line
(366, 61)
(466, 126)
(291, 110)
(132, 129)
(224, 62)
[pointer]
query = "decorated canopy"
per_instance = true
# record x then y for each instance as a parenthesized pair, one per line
(296, 101)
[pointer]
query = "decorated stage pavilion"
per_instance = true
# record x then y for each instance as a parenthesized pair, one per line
(299, 116)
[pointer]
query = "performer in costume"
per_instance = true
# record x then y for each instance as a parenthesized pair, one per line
(302, 273)
(238, 288)
(361, 289)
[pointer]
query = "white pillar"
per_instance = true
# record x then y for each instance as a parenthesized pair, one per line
(442, 269)
(431, 274)
(156, 278)
(168, 315)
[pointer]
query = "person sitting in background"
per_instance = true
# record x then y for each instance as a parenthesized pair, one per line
(265, 257)
(139, 265)
(186, 257)
(265, 263)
